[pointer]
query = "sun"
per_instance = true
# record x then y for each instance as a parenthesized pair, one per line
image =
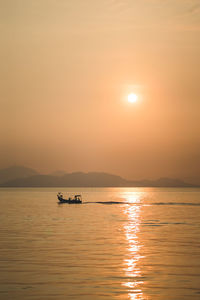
(132, 98)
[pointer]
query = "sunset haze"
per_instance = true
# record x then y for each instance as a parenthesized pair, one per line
(67, 69)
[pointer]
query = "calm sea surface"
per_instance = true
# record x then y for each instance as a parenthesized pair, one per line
(139, 243)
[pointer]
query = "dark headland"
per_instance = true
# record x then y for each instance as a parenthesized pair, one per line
(26, 177)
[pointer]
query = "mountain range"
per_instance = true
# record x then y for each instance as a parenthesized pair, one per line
(18, 176)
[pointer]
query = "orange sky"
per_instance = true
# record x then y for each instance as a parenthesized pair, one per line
(67, 68)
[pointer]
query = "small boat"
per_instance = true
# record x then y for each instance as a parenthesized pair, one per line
(77, 199)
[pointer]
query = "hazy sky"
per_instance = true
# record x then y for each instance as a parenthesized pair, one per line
(67, 68)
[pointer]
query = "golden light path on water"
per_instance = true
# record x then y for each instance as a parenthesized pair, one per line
(131, 261)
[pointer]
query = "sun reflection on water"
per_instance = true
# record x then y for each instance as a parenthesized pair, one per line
(132, 259)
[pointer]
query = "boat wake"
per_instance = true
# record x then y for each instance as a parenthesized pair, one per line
(108, 202)
(176, 203)
(144, 204)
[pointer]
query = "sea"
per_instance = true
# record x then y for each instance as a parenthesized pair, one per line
(121, 243)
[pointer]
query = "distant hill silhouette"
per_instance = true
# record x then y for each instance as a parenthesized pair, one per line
(25, 177)
(15, 172)
(58, 173)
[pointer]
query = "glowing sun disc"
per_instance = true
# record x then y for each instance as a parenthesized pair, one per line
(132, 98)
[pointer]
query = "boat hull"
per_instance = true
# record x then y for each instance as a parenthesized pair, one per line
(72, 201)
